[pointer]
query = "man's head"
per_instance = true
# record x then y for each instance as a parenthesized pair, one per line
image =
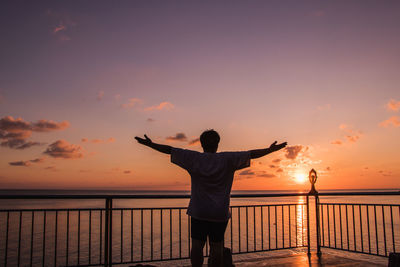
(209, 141)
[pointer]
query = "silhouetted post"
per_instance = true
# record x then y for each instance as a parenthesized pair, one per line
(312, 176)
(108, 233)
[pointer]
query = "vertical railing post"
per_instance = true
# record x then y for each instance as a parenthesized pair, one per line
(308, 226)
(108, 233)
(317, 221)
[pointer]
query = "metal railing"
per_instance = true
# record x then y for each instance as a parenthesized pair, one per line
(366, 228)
(111, 235)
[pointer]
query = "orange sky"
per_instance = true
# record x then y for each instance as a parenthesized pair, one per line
(76, 86)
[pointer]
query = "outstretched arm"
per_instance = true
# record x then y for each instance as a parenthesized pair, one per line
(147, 142)
(258, 153)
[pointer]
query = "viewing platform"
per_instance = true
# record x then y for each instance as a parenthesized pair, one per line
(358, 228)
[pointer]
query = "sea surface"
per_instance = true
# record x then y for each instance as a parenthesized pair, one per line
(64, 232)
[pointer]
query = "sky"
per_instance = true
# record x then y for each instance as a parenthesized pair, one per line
(80, 79)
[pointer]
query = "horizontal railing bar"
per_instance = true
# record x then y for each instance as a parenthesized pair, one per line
(119, 209)
(52, 209)
(379, 193)
(361, 204)
(139, 196)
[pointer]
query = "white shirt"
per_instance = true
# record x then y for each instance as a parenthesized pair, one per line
(212, 177)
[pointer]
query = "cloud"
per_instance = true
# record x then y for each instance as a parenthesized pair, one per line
(47, 126)
(252, 174)
(194, 142)
(26, 163)
(15, 132)
(98, 141)
(267, 175)
(51, 168)
(351, 136)
(161, 106)
(178, 137)
(247, 172)
(61, 24)
(385, 173)
(293, 151)
(58, 28)
(65, 150)
(20, 163)
(100, 95)
(131, 103)
(392, 121)
(12, 125)
(393, 105)
(337, 142)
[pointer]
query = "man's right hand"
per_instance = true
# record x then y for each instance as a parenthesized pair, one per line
(147, 141)
(275, 147)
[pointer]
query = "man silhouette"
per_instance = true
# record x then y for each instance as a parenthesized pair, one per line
(211, 182)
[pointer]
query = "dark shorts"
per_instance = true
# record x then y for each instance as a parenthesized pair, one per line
(214, 230)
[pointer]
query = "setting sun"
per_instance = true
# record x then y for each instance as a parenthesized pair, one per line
(300, 178)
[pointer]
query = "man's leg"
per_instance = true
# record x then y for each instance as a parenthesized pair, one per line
(217, 233)
(196, 257)
(216, 253)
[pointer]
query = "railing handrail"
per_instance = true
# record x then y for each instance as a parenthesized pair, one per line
(177, 196)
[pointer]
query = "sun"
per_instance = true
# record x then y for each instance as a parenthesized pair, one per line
(300, 178)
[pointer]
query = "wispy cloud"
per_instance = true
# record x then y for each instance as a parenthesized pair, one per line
(98, 141)
(65, 150)
(61, 24)
(178, 137)
(20, 163)
(59, 27)
(47, 126)
(392, 121)
(131, 103)
(161, 106)
(26, 163)
(247, 172)
(393, 105)
(352, 136)
(337, 142)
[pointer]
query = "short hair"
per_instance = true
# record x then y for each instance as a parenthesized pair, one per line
(209, 139)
